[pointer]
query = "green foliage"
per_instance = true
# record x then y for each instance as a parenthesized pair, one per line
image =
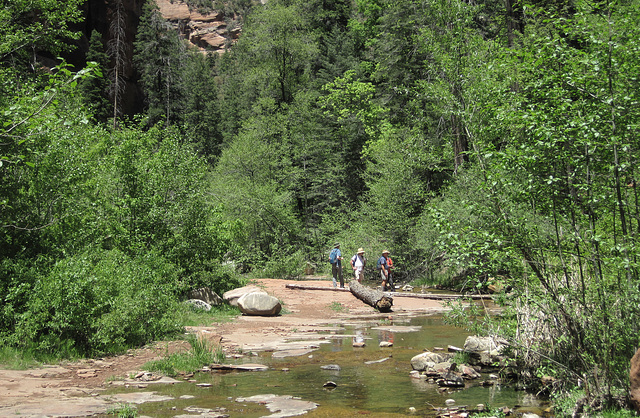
(253, 179)
(200, 105)
(102, 232)
(279, 50)
(188, 315)
(95, 89)
(29, 27)
(338, 307)
(14, 359)
(100, 302)
(160, 56)
(123, 410)
(476, 141)
(202, 353)
(558, 202)
(284, 265)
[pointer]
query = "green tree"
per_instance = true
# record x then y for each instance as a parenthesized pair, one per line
(160, 56)
(253, 181)
(30, 28)
(272, 58)
(559, 186)
(95, 89)
(200, 104)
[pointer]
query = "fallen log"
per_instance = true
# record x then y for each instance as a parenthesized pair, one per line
(374, 298)
(433, 296)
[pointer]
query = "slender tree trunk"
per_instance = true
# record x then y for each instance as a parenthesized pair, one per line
(116, 49)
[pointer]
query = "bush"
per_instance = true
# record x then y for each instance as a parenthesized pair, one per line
(100, 302)
(284, 265)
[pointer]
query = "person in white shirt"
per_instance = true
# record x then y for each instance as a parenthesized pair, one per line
(358, 262)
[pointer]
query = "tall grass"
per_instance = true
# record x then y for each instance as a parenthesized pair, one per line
(202, 353)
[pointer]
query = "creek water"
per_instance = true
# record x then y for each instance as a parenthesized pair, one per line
(372, 380)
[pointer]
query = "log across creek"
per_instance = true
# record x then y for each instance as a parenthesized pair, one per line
(432, 296)
(375, 298)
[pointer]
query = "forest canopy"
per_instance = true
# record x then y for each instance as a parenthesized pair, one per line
(482, 143)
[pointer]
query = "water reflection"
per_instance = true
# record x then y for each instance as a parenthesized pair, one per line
(365, 384)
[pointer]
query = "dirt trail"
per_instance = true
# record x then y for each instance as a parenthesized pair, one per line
(74, 389)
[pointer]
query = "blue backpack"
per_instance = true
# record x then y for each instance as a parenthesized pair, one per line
(382, 262)
(333, 256)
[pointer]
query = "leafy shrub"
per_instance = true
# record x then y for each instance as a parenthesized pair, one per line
(99, 302)
(285, 265)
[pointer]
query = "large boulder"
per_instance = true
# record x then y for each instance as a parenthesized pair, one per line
(199, 304)
(232, 296)
(484, 351)
(207, 295)
(259, 303)
(428, 360)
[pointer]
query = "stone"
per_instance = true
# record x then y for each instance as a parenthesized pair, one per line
(469, 372)
(282, 405)
(246, 367)
(386, 344)
(476, 344)
(331, 367)
(206, 31)
(292, 353)
(207, 295)
(232, 296)
(423, 361)
(198, 304)
(484, 350)
(86, 373)
(377, 361)
(259, 304)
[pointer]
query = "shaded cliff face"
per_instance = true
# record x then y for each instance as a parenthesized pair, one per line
(207, 32)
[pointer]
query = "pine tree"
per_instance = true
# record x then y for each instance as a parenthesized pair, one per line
(160, 56)
(96, 89)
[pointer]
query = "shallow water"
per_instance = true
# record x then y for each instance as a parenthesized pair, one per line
(382, 387)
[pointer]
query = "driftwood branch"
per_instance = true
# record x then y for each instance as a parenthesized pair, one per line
(371, 297)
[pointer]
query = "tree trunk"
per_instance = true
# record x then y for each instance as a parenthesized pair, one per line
(371, 297)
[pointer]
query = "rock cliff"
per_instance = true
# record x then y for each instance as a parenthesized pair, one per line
(208, 32)
(214, 32)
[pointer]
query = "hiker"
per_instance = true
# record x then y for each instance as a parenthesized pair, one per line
(358, 262)
(383, 266)
(335, 258)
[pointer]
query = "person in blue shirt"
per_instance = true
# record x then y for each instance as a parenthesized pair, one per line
(336, 267)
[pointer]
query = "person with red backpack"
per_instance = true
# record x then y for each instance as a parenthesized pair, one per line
(383, 266)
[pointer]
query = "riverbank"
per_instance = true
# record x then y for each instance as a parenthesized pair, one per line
(75, 389)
